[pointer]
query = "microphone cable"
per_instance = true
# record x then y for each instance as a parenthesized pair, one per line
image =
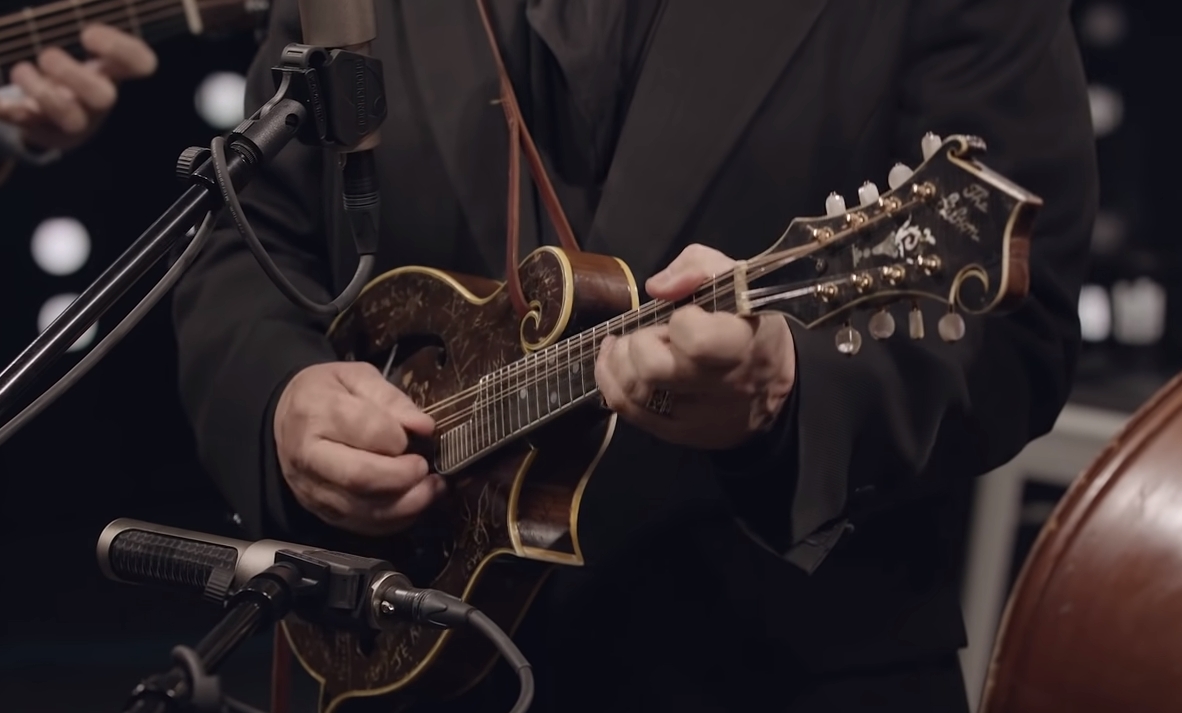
(108, 342)
(361, 206)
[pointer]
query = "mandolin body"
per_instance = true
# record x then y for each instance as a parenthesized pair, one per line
(507, 519)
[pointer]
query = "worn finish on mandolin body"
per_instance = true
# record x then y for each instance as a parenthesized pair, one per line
(507, 518)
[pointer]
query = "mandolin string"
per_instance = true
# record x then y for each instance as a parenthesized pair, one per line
(153, 11)
(704, 294)
(591, 337)
(72, 8)
(452, 420)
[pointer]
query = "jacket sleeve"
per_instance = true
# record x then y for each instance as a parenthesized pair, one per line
(864, 434)
(239, 339)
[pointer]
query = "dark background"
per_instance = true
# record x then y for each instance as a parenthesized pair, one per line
(118, 445)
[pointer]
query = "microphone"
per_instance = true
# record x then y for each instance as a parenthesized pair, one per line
(136, 552)
(271, 576)
(336, 589)
(351, 25)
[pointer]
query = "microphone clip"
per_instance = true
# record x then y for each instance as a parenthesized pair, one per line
(343, 92)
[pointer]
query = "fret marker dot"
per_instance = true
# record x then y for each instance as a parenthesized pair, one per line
(522, 393)
(574, 368)
(553, 397)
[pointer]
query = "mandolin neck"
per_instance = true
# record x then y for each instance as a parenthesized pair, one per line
(542, 385)
(25, 33)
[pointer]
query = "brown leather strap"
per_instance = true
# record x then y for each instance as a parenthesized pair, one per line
(520, 140)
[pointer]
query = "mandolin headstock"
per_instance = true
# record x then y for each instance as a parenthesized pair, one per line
(951, 231)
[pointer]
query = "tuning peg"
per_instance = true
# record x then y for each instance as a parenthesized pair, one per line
(868, 193)
(930, 144)
(882, 325)
(951, 327)
(848, 340)
(915, 322)
(898, 175)
(834, 205)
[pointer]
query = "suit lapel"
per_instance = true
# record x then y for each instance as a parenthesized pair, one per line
(708, 69)
(453, 67)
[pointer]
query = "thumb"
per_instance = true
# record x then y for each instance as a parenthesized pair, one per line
(688, 271)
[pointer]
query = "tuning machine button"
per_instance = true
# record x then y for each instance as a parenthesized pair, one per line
(898, 175)
(930, 144)
(915, 322)
(882, 325)
(848, 340)
(834, 205)
(951, 327)
(868, 193)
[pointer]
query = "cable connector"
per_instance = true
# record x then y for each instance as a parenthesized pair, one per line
(424, 606)
(362, 203)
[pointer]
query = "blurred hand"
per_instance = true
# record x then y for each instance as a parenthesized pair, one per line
(341, 431)
(66, 100)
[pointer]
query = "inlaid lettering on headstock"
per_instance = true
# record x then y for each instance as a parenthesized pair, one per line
(899, 244)
(956, 209)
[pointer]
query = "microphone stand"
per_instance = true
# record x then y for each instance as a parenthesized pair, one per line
(189, 686)
(318, 101)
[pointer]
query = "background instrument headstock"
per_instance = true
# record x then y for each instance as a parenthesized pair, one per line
(950, 231)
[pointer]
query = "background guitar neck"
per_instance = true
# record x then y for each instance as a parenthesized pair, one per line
(23, 34)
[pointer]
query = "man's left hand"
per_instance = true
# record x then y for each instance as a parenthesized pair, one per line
(724, 377)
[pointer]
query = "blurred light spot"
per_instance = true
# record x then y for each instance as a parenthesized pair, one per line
(1108, 233)
(1108, 109)
(1104, 24)
(53, 307)
(220, 99)
(61, 246)
(1138, 311)
(1095, 313)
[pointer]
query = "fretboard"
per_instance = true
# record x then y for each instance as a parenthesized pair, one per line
(542, 385)
(25, 33)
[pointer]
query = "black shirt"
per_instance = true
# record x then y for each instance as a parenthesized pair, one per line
(574, 66)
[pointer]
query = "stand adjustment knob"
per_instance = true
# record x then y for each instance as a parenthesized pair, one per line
(189, 160)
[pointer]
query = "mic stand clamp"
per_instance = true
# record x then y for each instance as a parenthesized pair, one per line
(188, 687)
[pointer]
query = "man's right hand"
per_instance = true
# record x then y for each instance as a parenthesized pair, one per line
(341, 431)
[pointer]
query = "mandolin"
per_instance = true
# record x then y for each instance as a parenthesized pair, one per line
(520, 426)
(25, 33)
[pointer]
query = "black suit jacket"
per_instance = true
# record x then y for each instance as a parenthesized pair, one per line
(722, 579)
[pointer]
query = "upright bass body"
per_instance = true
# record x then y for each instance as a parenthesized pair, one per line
(1094, 624)
(506, 519)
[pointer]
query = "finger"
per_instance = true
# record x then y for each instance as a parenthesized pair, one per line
(364, 474)
(710, 340)
(122, 55)
(688, 271)
(360, 423)
(57, 103)
(20, 110)
(96, 92)
(655, 365)
(619, 366)
(365, 381)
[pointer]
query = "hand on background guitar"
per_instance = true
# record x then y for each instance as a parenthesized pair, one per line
(341, 432)
(65, 100)
(728, 376)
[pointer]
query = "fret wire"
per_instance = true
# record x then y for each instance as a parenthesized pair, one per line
(534, 386)
(570, 386)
